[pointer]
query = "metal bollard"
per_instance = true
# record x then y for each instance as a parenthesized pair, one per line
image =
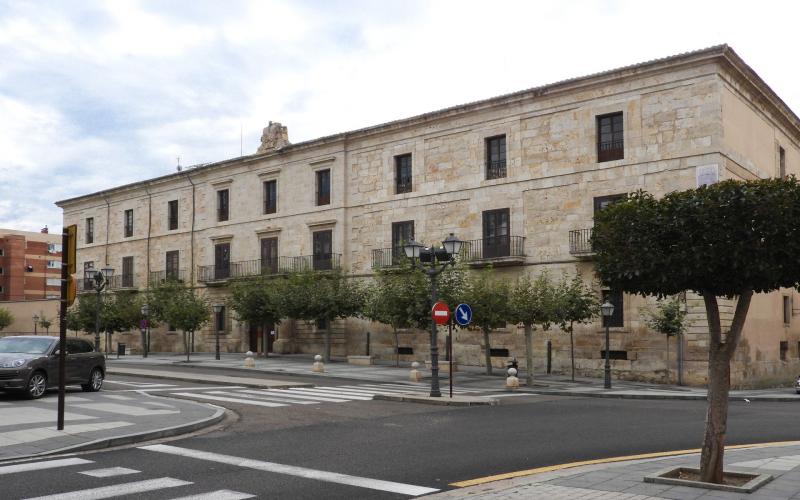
(319, 366)
(512, 382)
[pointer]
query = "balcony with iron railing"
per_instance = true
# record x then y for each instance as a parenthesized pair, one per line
(266, 267)
(580, 242)
(495, 169)
(496, 250)
(160, 277)
(116, 282)
(387, 257)
(610, 150)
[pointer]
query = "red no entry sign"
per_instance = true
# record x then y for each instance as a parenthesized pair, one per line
(440, 313)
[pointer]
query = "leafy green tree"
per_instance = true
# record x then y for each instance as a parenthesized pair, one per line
(6, 318)
(324, 296)
(119, 312)
(45, 322)
(488, 296)
(729, 239)
(532, 302)
(575, 302)
(179, 305)
(399, 299)
(668, 319)
(81, 316)
(258, 301)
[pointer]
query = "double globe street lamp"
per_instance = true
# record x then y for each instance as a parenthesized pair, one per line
(607, 310)
(98, 280)
(437, 261)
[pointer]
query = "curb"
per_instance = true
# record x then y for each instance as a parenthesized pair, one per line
(194, 378)
(102, 443)
(435, 401)
(686, 397)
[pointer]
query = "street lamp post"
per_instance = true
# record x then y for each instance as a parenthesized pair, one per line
(144, 328)
(413, 250)
(99, 281)
(607, 309)
(217, 311)
(35, 324)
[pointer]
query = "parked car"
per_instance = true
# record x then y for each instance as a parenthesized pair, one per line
(29, 364)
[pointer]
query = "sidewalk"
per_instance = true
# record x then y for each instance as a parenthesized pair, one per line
(472, 377)
(624, 480)
(95, 420)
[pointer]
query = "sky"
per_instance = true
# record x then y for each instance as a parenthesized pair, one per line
(95, 94)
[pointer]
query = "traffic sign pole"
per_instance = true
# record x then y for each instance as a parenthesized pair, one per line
(450, 356)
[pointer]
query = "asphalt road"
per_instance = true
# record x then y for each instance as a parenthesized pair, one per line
(412, 444)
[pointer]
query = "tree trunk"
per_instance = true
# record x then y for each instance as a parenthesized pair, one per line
(488, 351)
(719, 382)
(528, 355)
(666, 372)
(396, 349)
(572, 351)
(327, 356)
(186, 344)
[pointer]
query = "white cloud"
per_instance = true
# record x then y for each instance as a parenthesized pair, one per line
(96, 94)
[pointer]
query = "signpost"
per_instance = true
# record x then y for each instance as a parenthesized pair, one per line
(463, 314)
(69, 236)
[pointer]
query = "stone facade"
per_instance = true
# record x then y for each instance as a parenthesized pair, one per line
(699, 115)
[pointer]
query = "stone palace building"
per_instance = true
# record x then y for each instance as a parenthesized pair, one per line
(518, 176)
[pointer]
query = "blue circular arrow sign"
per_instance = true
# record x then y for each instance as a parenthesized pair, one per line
(463, 314)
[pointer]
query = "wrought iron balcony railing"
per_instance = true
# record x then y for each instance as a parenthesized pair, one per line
(117, 282)
(496, 247)
(265, 267)
(387, 257)
(610, 150)
(496, 169)
(158, 277)
(580, 242)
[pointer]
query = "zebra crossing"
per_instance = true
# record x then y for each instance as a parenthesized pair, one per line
(276, 398)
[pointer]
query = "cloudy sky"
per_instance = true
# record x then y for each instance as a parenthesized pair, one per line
(97, 94)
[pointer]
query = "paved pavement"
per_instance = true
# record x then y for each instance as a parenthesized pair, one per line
(624, 480)
(96, 420)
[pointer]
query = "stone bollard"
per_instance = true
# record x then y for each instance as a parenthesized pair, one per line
(318, 367)
(512, 382)
(249, 362)
(415, 375)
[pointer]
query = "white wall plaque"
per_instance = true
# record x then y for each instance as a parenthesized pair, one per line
(707, 174)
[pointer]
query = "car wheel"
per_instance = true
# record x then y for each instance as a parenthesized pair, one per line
(95, 381)
(37, 385)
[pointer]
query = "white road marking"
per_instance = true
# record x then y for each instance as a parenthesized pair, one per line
(331, 477)
(118, 397)
(139, 384)
(316, 399)
(370, 390)
(345, 393)
(130, 410)
(264, 397)
(176, 388)
(218, 495)
(229, 400)
(50, 464)
(117, 490)
(34, 415)
(315, 392)
(110, 472)
(511, 395)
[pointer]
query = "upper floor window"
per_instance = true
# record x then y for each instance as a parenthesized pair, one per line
(323, 187)
(323, 250)
(601, 202)
(128, 223)
(270, 196)
(610, 143)
(402, 233)
(2, 252)
(787, 309)
(90, 230)
(172, 265)
(53, 247)
(496, 157)
(223, 205)
(1, 271)
(172, 214)
(127, 272)
(402, 167)
(616, 319)
(54, 264)
(782, 162)
(496, 233)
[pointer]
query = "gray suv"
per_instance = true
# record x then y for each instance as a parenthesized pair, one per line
(30, 364)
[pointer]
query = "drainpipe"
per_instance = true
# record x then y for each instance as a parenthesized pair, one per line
(108, 225)
(149, 225)
(191, 238)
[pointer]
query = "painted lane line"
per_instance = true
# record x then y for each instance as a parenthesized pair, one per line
(326, 393)
(51, 464)
(192, 388)
(110, 472)
(121, 409)
(257, 395)
(412, 388)
(218, 495)
(117, 490)
(143, 385)
(291, 470)
(371, 390)
(286, 394)
(344, 391)
(229, 400)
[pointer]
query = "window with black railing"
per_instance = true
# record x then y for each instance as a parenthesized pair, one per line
(610, 142)
(402, 233)
(402, 166)
(496, 157)
(172, 265)
(323, 250)
(127, 272)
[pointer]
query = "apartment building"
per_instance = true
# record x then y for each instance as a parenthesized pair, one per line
(30, 265)
(517, 176)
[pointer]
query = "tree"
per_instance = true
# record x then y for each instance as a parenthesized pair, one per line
(45, 322)
(668, 319)
(119, 312)
(6, 318)
(176, 304)
(399, 299)
(323, 296)
(729, 239)
(574, 302)
(258, 301)
(488, 296)
(531, 302)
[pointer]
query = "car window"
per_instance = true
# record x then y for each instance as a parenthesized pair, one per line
(25, 345)
(86, 346)
(73, 346)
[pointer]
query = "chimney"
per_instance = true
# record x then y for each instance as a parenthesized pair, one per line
(274, 137)
(45, 230)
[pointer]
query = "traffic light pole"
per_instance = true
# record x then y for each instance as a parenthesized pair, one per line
(62, 328)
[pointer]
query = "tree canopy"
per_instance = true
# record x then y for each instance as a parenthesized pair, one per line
(258, 301)
(532, 302)
(6, 318)
(488, 296)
